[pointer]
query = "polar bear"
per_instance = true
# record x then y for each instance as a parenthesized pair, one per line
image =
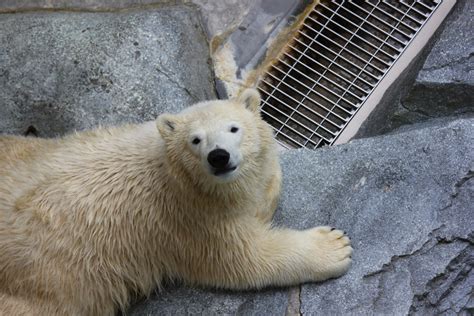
(92, 220)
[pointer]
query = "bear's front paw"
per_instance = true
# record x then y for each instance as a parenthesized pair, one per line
(331, 252)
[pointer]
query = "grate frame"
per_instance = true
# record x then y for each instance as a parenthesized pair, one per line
(342, 52)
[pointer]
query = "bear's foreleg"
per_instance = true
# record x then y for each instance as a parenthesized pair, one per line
(280, 257)
(272, 196)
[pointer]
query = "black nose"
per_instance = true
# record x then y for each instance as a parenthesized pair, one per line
(218, 158)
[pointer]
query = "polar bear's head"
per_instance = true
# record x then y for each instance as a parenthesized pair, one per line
(216, 141)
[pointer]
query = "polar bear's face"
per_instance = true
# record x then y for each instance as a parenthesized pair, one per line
(217, 145)
(215, 141)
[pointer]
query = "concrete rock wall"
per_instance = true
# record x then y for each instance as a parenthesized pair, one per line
(405, 199)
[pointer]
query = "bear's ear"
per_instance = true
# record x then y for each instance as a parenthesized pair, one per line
(251, 99)
(167, 124)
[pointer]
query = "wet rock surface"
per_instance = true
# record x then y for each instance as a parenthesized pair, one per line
(405, 200)
(71, 71)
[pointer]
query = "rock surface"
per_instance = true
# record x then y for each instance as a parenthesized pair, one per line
(71, 71)
(218, 16)
(406, 201)
(93, 5)
(445, 84)
(223, 16)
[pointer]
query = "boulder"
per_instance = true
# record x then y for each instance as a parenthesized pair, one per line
(406, 201)
(90, 5)
(219, 17)
(65, 71)
(445, 83)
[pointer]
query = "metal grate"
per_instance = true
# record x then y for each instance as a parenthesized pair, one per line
(339, 55)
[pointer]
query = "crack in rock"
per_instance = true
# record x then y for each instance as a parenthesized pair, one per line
(294, 302)
(457, 188)
(441, 292)
(175, 82)
(450, 64)
(437, 293)
(427, 245)
(461, 182)
(300, 301)
(416, 111)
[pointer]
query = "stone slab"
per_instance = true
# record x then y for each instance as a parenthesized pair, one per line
(451, 58)
(219, 16)
(445, 84)
(176, 300)
(65, 71)
(71, 71)
(92, 5)
(223, 16)
(406, 201)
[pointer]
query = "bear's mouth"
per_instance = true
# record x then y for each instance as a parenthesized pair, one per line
(220, 172)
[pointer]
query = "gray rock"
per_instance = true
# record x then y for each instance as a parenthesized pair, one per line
(93, 5)
(71, 71)
(406, 201)
(223, 16)
(176, 300)
(444, 85)
(219, 16)
(450, 60)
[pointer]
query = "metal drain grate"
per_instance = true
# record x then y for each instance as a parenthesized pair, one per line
(339, 56)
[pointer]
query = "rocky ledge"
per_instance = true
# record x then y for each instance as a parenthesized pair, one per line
(99, 68)
(406, 201)
(444, 85)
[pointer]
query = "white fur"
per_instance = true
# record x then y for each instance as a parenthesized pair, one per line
(94, 219)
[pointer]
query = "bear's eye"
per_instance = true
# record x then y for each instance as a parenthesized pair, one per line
(234, 129)
(196, 141)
